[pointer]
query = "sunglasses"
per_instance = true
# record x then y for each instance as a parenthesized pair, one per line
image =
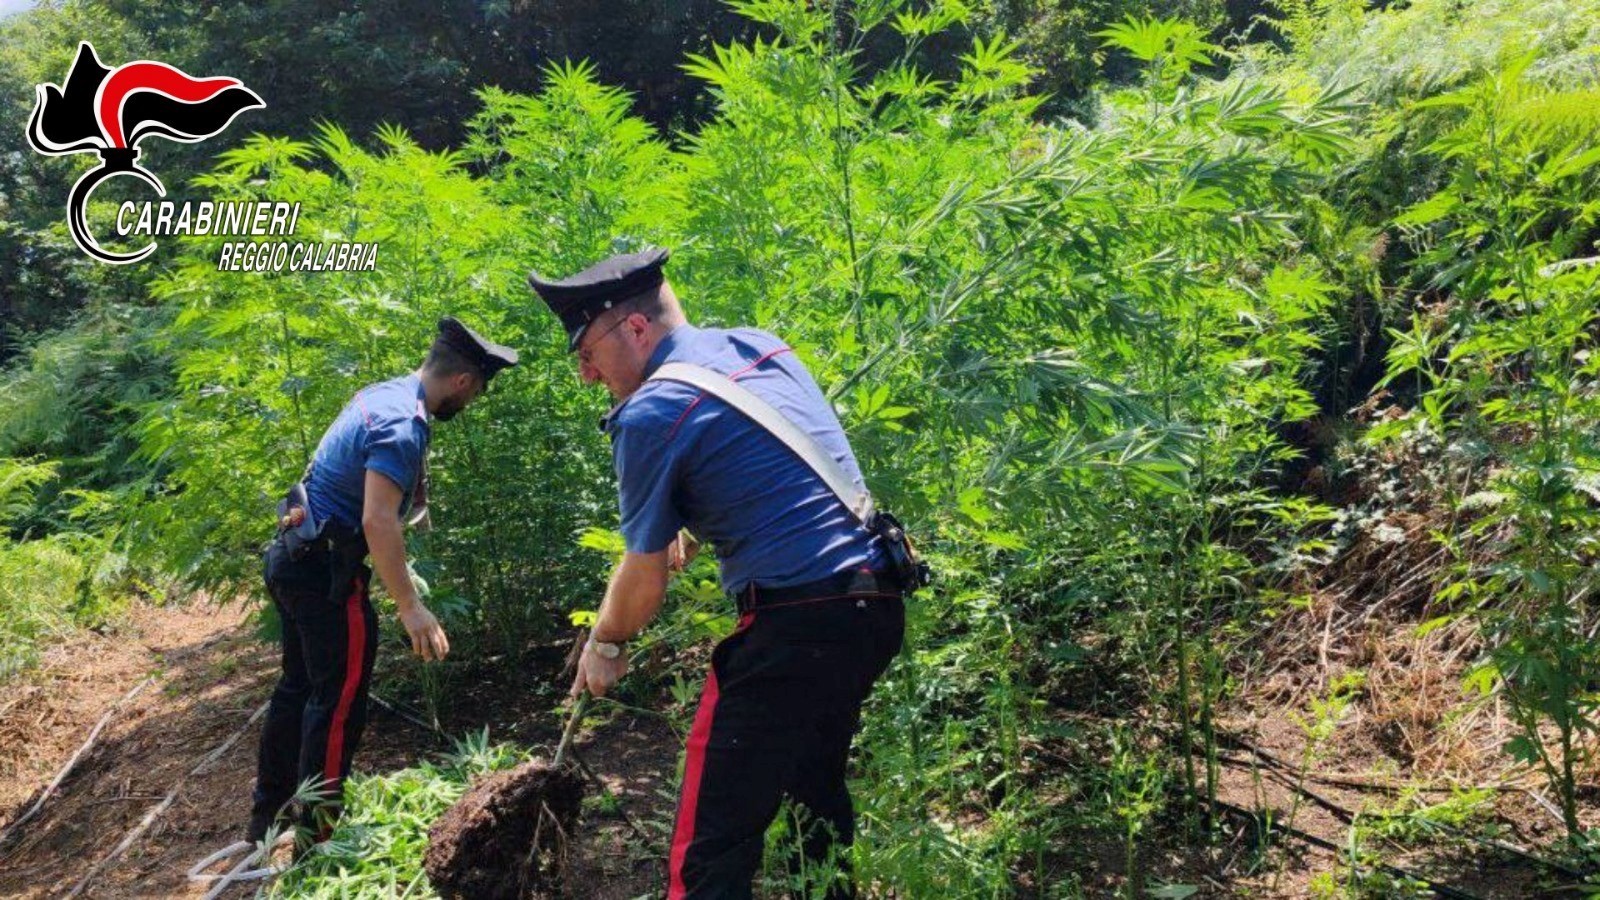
(586, 352)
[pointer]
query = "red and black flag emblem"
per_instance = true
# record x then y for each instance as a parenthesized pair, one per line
(111, 110)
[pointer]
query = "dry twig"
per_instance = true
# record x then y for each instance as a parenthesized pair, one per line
(94, 735)
(156, 811)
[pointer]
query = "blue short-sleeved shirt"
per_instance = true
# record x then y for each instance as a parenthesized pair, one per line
(384, 428)
(688, 459)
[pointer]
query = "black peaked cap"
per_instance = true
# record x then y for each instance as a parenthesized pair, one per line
(580, 299)
(488, 356)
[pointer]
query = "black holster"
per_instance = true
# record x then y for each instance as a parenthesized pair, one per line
(912, 572)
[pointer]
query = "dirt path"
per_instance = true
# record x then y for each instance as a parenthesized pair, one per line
(209, 675)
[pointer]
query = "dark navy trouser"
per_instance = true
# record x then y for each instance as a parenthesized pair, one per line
(319, 707)
(780, 706)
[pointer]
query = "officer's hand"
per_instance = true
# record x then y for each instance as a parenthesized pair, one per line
(681, 552)
(427, 635)
(597, 673)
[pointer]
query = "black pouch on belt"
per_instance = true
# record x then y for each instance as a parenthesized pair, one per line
(913, 573)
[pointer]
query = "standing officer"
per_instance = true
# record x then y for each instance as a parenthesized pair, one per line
(366, 475)
(819, 617)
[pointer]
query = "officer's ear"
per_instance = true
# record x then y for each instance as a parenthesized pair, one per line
(467, 384)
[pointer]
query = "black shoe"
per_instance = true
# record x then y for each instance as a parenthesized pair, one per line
(256, 831)
(263, 823)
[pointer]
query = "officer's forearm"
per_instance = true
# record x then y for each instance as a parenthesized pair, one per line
(387, 545)
(634, 596)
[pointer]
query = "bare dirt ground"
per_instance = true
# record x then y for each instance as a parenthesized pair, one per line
(210, 674)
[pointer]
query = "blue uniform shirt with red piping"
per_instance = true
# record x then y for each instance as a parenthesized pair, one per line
(684, 458)
(384, 428)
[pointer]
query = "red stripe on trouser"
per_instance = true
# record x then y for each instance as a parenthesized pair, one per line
(693, 769)
(355, 652)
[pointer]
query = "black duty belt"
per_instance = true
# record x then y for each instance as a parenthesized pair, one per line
(835, 587)
(335, 539)
(344, 540)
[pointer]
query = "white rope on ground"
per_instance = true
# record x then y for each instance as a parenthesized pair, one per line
(241, 871)
(156, 811)
(94, 735)
(196, 871)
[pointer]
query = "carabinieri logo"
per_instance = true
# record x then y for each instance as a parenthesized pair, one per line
(112, 110)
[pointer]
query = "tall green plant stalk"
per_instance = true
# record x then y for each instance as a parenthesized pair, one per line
(1557, 694)
(1517, 364)
(293, 380)
(840, 58)
(1317, 729)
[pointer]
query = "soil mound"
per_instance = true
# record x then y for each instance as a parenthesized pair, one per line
(506, 838)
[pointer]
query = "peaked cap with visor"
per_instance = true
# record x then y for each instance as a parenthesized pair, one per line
(580, 299)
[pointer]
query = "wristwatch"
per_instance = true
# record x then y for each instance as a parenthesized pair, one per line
(605, 649)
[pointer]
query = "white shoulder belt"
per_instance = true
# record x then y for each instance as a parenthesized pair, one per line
(855, 499)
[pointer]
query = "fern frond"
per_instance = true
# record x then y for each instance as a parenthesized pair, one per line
(1558, 115)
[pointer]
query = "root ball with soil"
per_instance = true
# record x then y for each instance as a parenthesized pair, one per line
(507, 837)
